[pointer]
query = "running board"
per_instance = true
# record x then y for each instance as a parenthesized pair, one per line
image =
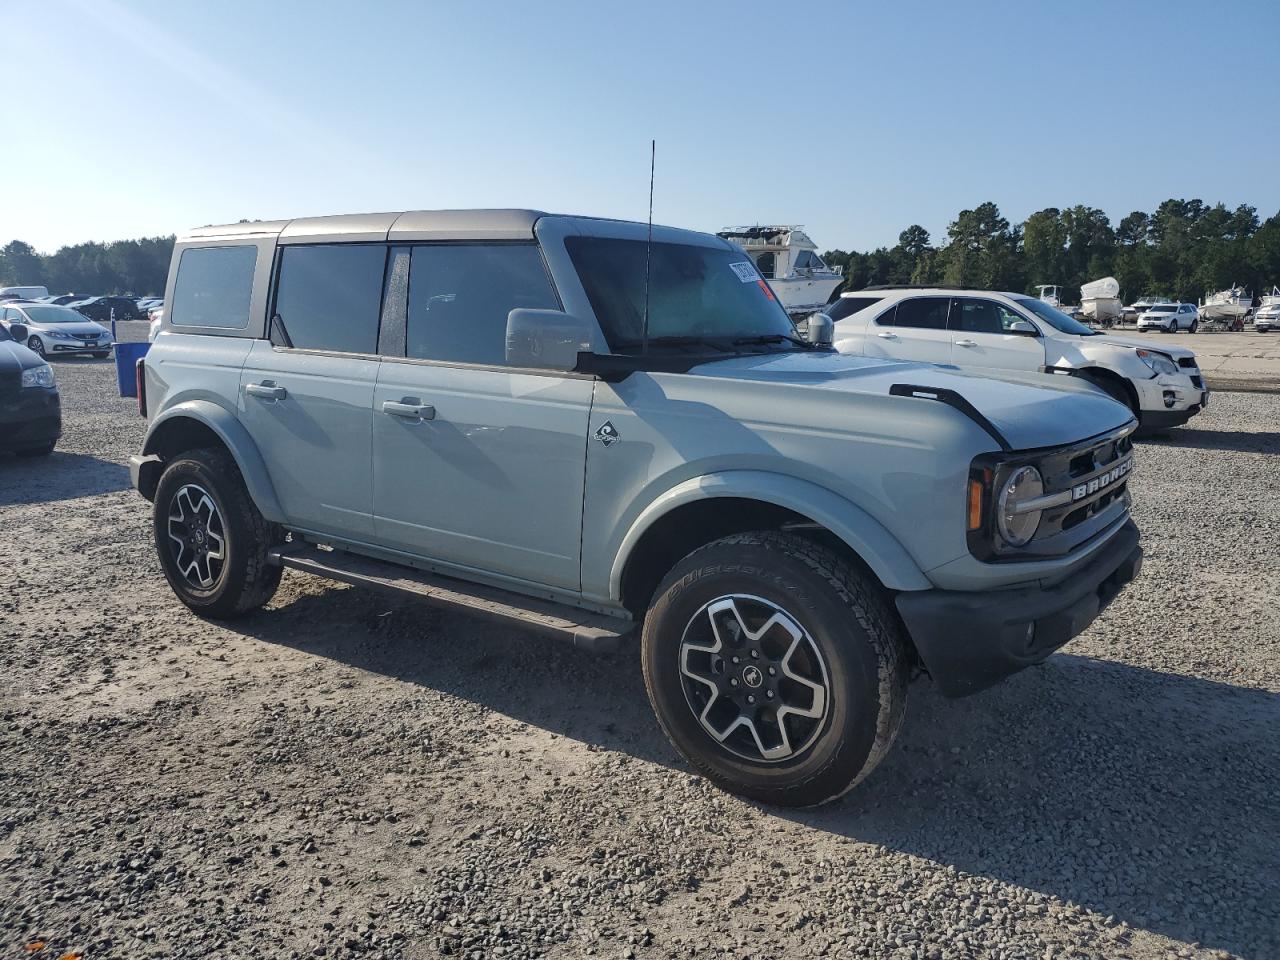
(591, 631)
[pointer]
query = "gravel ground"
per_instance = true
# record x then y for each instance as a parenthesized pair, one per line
(345, 775)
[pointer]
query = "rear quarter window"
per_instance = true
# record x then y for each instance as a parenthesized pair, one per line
(214, 286)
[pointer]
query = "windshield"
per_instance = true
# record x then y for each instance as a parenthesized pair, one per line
(52, 314)
(707, 295)
(1056, 318)
(1163, 308)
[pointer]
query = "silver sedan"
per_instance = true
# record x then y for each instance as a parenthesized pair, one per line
(53, 330)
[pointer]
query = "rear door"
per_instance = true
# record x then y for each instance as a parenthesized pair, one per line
(306, 395)
(477, 464)
(981, 336)
(912, 329)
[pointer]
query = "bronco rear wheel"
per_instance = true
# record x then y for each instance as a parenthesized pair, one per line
(775, 667)
(211, 540)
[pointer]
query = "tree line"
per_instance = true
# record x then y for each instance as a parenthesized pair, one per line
(1183, 250)
(137, 267)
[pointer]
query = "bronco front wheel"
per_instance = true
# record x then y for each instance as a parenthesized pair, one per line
(775, 667)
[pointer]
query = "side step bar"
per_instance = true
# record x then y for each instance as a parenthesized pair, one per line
(591, 631)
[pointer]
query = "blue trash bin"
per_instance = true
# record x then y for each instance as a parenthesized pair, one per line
(127, 357)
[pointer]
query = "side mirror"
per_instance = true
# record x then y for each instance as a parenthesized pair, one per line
(18, 331)
(822, 330)
(1024, 328)
(549, 339)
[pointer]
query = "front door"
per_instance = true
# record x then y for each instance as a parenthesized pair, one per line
(479, 465)
(306, 396)
(912, 329)
(981, 337)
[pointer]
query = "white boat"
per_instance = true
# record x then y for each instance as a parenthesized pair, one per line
(1227, 304)
(788, 259)
(1051, 294)
(1100, 300)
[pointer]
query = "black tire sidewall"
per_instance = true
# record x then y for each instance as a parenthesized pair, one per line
(848, 734)
(223, 598)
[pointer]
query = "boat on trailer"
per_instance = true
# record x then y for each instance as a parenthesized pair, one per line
(1230, 304)
(789, 261)
(1100, 301)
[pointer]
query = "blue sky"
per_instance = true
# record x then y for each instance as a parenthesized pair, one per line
(856, 119)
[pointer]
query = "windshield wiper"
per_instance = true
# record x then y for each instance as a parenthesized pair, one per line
(676, 341)
(774, 338)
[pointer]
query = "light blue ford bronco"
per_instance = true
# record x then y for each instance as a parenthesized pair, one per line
(577, 427)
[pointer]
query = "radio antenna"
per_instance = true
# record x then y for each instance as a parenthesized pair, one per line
(648, 250)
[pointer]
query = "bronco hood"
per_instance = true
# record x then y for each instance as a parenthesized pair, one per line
(1030, 410)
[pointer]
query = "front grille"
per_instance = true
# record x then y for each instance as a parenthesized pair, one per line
(1187, 362)
(85, 336)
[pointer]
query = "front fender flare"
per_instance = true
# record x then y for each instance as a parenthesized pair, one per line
(237, 441)
(877, 547)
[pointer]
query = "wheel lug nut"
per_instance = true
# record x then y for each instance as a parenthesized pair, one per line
(769, 694)
(736, 660)
(733, 682)
(773, 672)
(751, 699)
(755, 654)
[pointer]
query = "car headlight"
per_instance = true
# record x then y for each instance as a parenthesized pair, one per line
(1015, 519)
(41, 376)
(58, 335)
(1158, 362)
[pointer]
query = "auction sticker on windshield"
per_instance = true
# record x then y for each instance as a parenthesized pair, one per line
(745, 270)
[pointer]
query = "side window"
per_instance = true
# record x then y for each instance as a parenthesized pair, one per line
(848, 306)
(921, 313)
(976, 315)
(460, 295)
(328, 297)
(213, 287)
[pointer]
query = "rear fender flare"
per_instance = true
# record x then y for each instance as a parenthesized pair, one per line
(238, 443)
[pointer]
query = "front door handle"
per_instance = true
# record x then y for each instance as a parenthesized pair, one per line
(887, 335)
(966, 343)
(409, 409)
(267, 390)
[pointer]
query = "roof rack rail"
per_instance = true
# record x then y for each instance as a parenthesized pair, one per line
(952, 399)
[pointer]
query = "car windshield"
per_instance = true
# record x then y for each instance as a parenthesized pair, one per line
(1163, 308)
(699, 297)
(1056, 318)
(52, 314)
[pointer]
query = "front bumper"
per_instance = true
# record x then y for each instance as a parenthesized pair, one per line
(30, 418)
(970, 640)
(78, 346)
(1171, 397)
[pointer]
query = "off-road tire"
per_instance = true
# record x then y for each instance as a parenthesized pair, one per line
(850, 620)
(246, 580)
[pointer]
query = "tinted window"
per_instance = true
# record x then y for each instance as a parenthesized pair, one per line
(920, 313)
(848, 306)
(974, 315)
(693, 291)
(460, 295)
(328, 297)
(213, 287)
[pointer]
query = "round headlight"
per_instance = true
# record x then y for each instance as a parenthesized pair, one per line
(1017, 524)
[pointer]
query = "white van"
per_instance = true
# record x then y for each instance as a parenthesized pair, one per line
(23, 293)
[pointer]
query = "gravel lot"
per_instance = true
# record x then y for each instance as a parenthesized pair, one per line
(344, 775)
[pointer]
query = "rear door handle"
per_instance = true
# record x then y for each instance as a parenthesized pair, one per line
(966, 343)
(267, 390)
(886, 335)
(409, 409)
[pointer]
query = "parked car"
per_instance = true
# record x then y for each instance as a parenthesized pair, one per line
(100, 308)
(1170, 318)
(52, 330)
(1267, 318)
(30, 408)
(787, 532)
(66, 298)
(987, 331)
(23, 293)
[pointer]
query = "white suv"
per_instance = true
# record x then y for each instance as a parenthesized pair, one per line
(986, 331)
(1170, 318)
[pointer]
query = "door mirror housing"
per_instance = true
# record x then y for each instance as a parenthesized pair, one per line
(822, 330)
(547, 339)
(18, 331)
(1024, 328)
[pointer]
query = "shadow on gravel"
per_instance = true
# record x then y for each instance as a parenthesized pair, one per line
(1238, 441)
(1144, 795)
(1138, 794)
(61, 476)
